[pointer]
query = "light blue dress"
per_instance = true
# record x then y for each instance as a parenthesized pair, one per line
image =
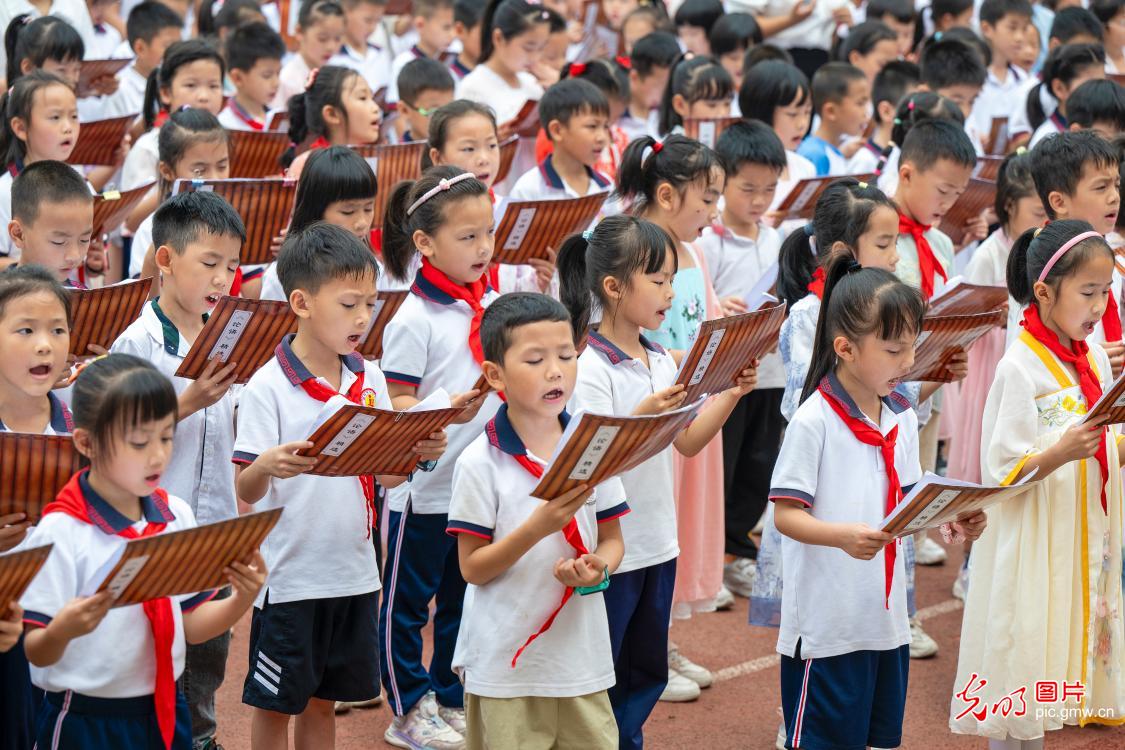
(688, 311)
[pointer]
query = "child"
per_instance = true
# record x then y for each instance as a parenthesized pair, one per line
(694, 20)
(432, 343)
(843, 617)
(433, 20)
(52, 219)
(253, 55)
(612, 79)
(731, 36)
(740, 249)
(869, 46)
(512, 547)
(913, 109)
(44, 43)
(639, 23)
(951, 14)
(198, 237)
(841, 96)
(105, 683)
(1099, 106)
(1112, 15)
(899, 16)
(1066, 68)
(423, 86)
(1003, 24)
(150, 29)
(1063, 536)
(897, 79)
(698, 88)
(466, 28)
(627, 266)
(361, 19)
(320, 35)
(338, 108)
(953, 69)
(191, 75)
(324, 567)
(650, 64)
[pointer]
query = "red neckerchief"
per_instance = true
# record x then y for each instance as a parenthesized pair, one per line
(1077, 356)
(869, 435)
(472, 294)
(323, 393)
(1060, 121)
(1111, 319)
(375, 239)
(927, 264)
(320, 142)
(236, 284)
(160, 119)
(72, 502)
(243, 115)
(816, 286)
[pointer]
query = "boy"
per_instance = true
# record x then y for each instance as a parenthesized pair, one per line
(897, 79)
(466, 27)
(575, 115)
(1098, 106)
(649, 67)
(198, 238)
(949, 14)
(694, 20)
(433, 20)
(324, 567)
(253, 54)
(151, 27)
(730, 38)
(52, 218)
(424, 85)
(1003, 24)
(740, 250)
(899, 17)
(492, 514)
(955, 70)
(361, 19)
(841, 96)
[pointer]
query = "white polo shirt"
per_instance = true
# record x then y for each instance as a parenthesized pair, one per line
(484, 85)
(129, 97)
(373, 63)
(60, 423)
(832, 602)
(1054, 124)
(544, 182)
(491, 499)
(1018, 121)
(320, 549)
(866, 159)
(612, 382)
(292, 79)
(234, 117)
(116, 660)
(198, 469)
(908, 269)
(141, 161)
(997, 99)
(426, 345)
(736, 264)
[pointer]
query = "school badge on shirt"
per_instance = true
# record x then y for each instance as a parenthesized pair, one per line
(367, 397)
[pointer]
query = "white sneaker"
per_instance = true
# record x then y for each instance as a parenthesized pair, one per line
(680, 664)
(961, 583)
(779, 742)
(929, 552)
(738, 576)
(724, 600)
(922, 646)
(679, 689)
(423, 729)
(342, 707)
(454, 717)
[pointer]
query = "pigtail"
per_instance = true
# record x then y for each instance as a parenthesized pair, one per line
(11, 37)
(486, 45)
(7, 136)
(574, 291)
(398, 245)
(1035, 114)
(1019, 285)
(823, 353)
(796, 263)
(152, 104)
(631, 170)
(298, 128)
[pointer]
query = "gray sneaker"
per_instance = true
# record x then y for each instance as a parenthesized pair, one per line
(422, 728)
(454, 717)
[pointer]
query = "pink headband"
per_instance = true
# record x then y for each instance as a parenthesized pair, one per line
(443, 185)
(1062, 251)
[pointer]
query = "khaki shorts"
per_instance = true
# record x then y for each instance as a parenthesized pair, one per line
(533, 723)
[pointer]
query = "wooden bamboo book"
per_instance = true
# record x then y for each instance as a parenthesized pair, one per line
(33, 469)
(936, 500)
(245, 331)
(17, 571)
(979, 195)
(393, 164)
(112, 207)
(801, 201)
(101, 315)
(526, 122)
(988, 167)
(92, 70)
(256, 153)
(961, 298)
(278, 121)
(1111, 404)
(725, 347)
(185, 562)
(708, 130)
(265, 206)
(942, 336)
(99, 140)
(998, 137)
(508, 150)
(386, 305)
(529, 228)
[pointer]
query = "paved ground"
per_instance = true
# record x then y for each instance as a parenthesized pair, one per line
(740, 711)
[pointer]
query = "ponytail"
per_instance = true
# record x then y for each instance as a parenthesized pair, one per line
(696, 78)
(306, 110)
(574, 291)
(797, 261)
(176, 56)
(647, 162)
(1035, 248)
(39, 40)
(511, 18)
(1064, 64)
(398, 246)
(18, 102)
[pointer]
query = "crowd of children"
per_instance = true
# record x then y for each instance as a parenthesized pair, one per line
(439, 592)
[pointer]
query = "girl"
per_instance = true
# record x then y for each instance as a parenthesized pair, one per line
(1111, 13)
(627, 265)
(1062, 538)
(190, 75)
(433, 342)
(1066, 68)
(698, 87)
(320, 35)
(844, 608)
(915, 108)
(105, 684)
(869, 46)
(338, 108)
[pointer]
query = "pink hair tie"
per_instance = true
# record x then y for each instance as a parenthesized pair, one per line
(442, 186)
(1062, 251)
(312, 78)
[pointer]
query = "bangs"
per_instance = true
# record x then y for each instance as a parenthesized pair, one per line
(656, 244)
(710, 83)
(351, 179)
(135, 398)
(899, 312)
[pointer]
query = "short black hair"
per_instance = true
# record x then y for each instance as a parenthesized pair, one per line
(769, 85)
(699, 13)
(46, 181)
(950, 62)
(1058, 162)
(148, 19)
(993, 11)
(831, 82)
(734, 32)
(862, 39)
(321, 253)
(953, 8)
(900, 10)
(427, 8)
(22, 280)
(1074, 21)
(656, 50)
(183, 218)
(1097, 101)
(570, 97)
(893, 82)
(116, 392)
(251, 42)
(423, 74)
(468, 12)
(932, 140)
(750, 142)
(1106, 10)
(509, 312)
(763, 52)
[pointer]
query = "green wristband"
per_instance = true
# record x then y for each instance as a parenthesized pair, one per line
(584, 590)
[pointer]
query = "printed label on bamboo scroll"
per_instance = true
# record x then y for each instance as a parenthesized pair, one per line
(937, 500)
(359, 440)
(17, 570)
(708, 130)
(801, 201)
(185, 562)
(960, 298)
(979, 195)
(244, 331)
(100, 316)
(1111, 404)
(940, 339)
(528, 228)
(725, 347)
(595, 447)
(255, 154)
(92, 70)
(386, 305)
(264, 205)
(99, 140)
(112, 206)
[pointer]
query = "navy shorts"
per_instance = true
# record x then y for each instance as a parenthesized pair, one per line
(314, 648)
(846, 702)
(78, 722)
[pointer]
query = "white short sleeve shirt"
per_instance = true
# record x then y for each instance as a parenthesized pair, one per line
(130, 95)
(484, 85)
(141, 161)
